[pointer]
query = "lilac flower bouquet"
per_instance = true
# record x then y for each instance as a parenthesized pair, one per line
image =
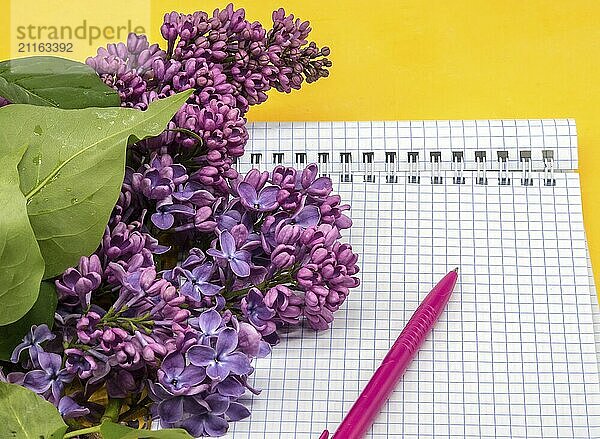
(199, 268)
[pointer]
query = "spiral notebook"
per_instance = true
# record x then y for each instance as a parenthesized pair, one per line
(515, 354)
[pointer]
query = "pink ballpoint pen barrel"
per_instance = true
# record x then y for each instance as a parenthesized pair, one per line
(368, 405)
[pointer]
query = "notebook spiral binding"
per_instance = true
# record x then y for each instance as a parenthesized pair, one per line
(391, 169)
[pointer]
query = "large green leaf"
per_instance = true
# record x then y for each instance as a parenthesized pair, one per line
(73, 169)
(21, 264)
(41, 312)
(54, 82)
(25, 415)
(70, 174)
(110, 430)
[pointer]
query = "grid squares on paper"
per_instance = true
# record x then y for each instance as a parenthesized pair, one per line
(513, 355)
(424, 137)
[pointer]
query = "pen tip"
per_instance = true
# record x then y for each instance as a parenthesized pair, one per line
(455, 270)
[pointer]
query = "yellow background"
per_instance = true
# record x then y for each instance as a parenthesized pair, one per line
(443, 59)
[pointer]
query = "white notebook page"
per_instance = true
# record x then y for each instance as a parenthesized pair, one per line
(514, 354)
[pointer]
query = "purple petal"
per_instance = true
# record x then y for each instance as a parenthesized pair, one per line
(238, 363)
(243, 255)
(194, 425)
(217, 371)
(209, 289)
(192, 376)
(237, 411)
(226, 222)
(57, 388)
(159, 391)
(248, 195)
(18, 350)
(227, 243)
(321, 186)
(71, 277)
(227, 341)
(184, 194)
(201, 355)
(216, 253)
(267, 198)
(215, 425)
(343, 222)
(210, 321)
(203, 272)
(42, 333)
(189, 289)
(37, 380)
(49, 362)
(173, 364)
(171, 410)
(308, 175)
(68, 408)
(248, 339)
(163, 220)
(307, 217)
(180, 208)
(264, 349)
(240, 268)
(231, 387)
(218, 404)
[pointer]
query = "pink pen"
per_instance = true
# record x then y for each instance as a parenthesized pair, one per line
(368, 405)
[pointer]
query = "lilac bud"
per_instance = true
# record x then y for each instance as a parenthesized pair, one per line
(283, 256)
(87, 331)
(249, 339)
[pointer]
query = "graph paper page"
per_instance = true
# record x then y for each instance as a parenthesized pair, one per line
(514, 354)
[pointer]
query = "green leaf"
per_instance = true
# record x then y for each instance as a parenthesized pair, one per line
(71, 174)
(42, 312)
(73, 169)
(54, 82)
(110, 430)
(21, 263)
(25, 415)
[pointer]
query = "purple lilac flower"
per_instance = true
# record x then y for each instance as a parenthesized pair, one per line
(80, 363)
(208, 325)
(257, 312)
(32, 341)
(50, 377)
(206, 416)
(179, 379)
(195, 283)
(264, 201)
(237, 260)
(164, 217)
(168, 407)
(222, 360)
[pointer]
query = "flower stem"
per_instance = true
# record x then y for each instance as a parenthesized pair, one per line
(283, 277)
(94, 429)
(112, 410)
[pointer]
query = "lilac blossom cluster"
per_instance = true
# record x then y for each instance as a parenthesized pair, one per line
(199, 268)
(230, 62)
(270, 257)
